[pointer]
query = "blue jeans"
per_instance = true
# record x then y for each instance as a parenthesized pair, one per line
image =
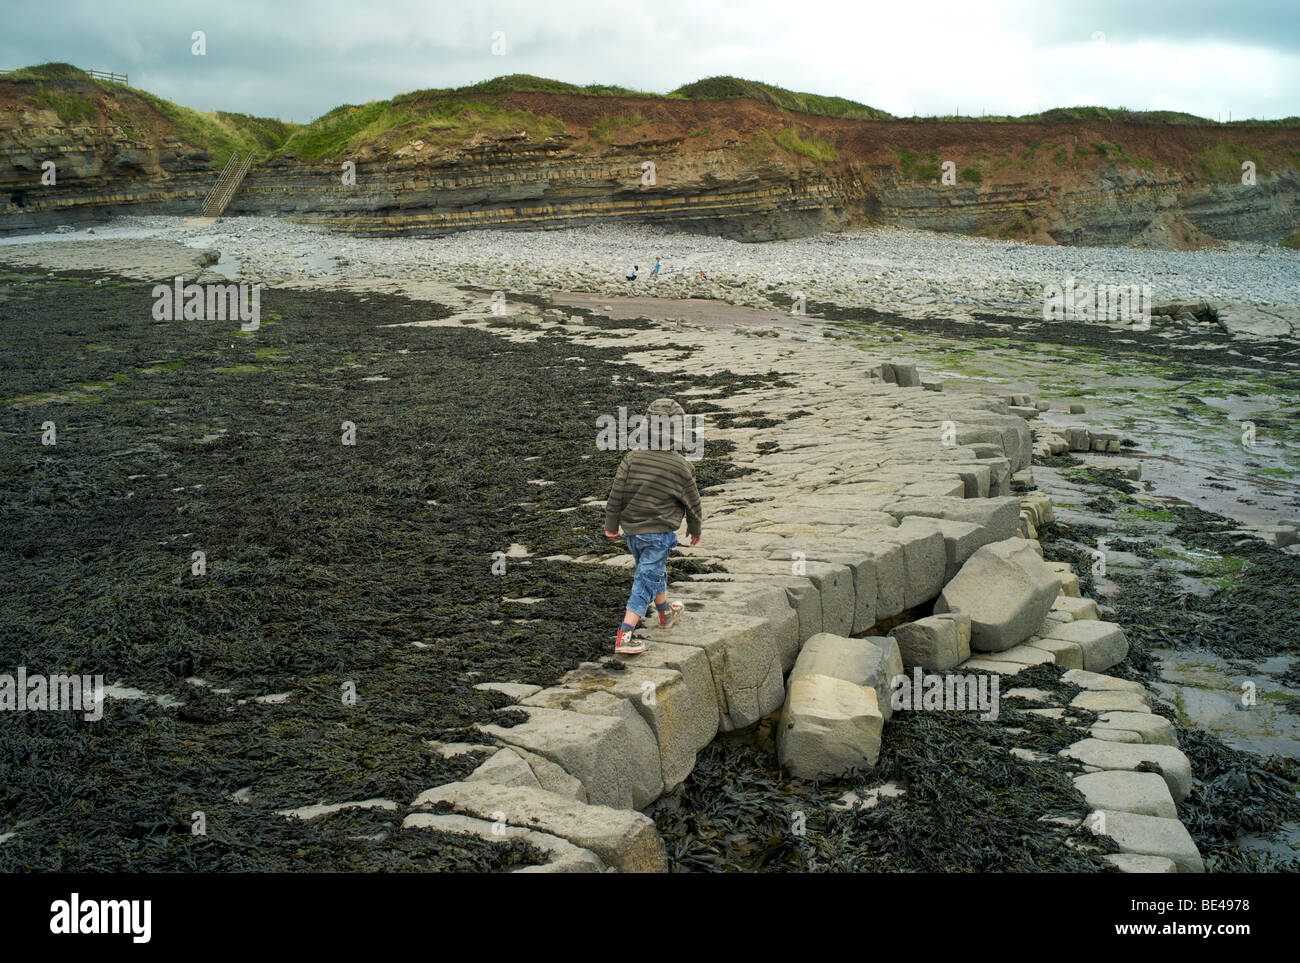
(650, 552)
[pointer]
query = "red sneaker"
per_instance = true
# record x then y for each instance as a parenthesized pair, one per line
(626, 644)
(670, 615)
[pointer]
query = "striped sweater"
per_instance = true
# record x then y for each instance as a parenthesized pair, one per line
(651, 492)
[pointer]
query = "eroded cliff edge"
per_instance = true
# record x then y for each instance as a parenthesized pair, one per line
(736, 168)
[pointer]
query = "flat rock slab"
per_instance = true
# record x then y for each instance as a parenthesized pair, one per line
(1147, 726)
(515, 690)
(640, 761)
(326, 809)
(1112, 701)
(505, 768)
(1149, 836)
(564, 856)
(993, 665)
(1097, 682)
(1104, 644)
(924, 560)
(1024, 654)
(1133, 863)
(1174, 766)
(997, 516)
(1130, 792)
(662, 699)
(960, 539)
(700, 725)
(624, 839)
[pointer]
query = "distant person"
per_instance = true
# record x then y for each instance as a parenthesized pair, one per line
(702, 277)
(631, 272)
(653, 488)
(654, 272)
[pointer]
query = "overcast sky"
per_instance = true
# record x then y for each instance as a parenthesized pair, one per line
(296, 60)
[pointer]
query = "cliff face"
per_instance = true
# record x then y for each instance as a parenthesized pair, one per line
(735, 168)
(535, 188)
(99, 172)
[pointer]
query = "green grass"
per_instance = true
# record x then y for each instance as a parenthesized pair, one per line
(1293, 241)
(1117, 152)
(50, 71)
(971, 175)
(77, 98)
(604, 130)
(1223, 161)
(924, 167)
(217, 132)
(424, 115)
(71, 107)
(814, 148)
(724, 88)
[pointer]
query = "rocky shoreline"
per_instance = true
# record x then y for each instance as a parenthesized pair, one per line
(851, 468)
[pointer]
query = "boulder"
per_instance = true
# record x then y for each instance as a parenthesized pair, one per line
(828, 727)
(1006, 589)
(866, 662)
(936, 643)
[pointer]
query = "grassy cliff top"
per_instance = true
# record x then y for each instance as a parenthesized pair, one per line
(82, 100)
(448, 117)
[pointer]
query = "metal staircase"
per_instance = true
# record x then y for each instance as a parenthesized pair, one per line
(232, 175)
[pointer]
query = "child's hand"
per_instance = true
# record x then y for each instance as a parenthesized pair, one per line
(695, 539)
(611, 534)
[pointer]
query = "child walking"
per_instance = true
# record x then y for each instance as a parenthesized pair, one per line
(653, 488)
